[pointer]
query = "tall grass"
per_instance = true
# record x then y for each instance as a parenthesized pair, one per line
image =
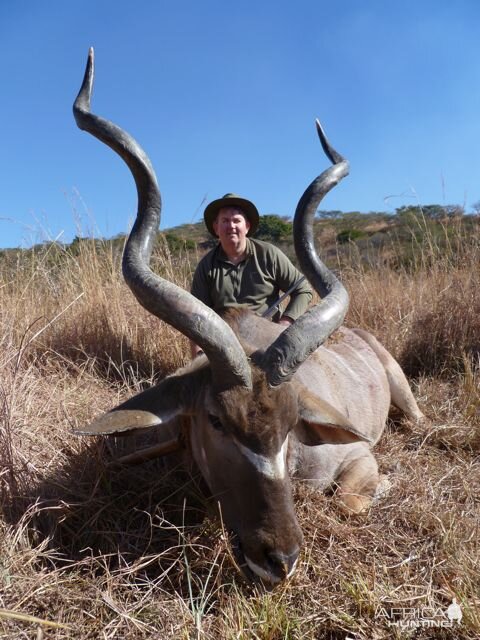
(73, 304)
(86, 552)
(426, 309)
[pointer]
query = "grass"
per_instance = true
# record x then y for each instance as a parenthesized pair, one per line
(87, 552)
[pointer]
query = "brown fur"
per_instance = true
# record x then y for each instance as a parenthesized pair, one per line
(259, 418)
(322, 423)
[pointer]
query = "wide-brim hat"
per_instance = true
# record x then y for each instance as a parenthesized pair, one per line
(232, 200)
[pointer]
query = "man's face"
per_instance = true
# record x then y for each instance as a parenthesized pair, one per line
(231, 226)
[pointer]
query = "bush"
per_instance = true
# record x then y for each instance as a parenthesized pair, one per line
(175, 243)
(272, 227)
(349, 235)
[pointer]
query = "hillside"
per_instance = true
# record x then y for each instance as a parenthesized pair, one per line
(398, 239)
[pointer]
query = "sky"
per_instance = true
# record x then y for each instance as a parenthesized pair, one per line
(223, 97)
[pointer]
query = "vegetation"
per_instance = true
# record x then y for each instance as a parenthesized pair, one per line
(273, 229)
(348, 235)
(91, 552)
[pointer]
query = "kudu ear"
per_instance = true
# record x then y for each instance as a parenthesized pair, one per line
(176, 395)
(320, 423)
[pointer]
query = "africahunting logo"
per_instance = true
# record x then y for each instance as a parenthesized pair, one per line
(421, 617)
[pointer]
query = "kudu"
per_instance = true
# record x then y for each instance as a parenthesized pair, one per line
(265, 405)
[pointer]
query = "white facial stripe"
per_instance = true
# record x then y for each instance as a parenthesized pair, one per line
(200, 455)
(273, 468)
(262, 573)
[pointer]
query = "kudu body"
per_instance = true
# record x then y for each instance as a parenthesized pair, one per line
(266, 405)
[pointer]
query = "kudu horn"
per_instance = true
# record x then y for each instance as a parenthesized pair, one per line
(308, 332)
(163, 299)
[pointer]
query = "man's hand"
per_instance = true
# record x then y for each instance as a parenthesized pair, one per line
(286, 321)
(195, 350)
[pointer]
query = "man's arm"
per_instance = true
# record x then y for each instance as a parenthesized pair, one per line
(299, 300)
(200, 286)
(200, 290)
(301, 295)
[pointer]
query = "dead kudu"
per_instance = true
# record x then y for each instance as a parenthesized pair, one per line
(265, 406)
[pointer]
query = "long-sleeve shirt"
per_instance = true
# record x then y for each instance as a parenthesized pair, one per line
(255, 282)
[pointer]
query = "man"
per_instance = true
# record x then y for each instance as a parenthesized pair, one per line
(241, 271)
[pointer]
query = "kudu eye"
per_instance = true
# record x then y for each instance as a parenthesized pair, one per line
(215, 422)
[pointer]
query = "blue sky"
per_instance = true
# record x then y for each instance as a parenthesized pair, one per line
(223, 97)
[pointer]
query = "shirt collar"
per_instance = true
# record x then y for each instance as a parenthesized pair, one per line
(221, 255)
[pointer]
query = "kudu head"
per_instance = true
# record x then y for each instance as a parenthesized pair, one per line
(242, 406)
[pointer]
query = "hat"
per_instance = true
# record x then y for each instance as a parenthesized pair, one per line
(232, 200)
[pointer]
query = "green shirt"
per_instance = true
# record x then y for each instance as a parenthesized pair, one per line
(255, 282)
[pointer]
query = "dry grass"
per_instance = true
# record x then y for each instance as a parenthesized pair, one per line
(90, 553)
(426, 313)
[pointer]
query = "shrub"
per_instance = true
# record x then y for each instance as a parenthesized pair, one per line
(176, 243)
(272, 227)
(349, 235)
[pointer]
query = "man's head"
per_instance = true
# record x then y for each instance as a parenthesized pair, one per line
(231, 227)
(231, 202)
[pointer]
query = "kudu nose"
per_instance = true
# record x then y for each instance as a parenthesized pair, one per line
(282, 564)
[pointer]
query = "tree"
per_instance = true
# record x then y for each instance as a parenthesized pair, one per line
(434, 211)
(329, 215)
(454, 211)
(272, 227)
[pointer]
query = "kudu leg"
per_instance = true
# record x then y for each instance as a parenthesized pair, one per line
(400, 392)
(357, 482)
